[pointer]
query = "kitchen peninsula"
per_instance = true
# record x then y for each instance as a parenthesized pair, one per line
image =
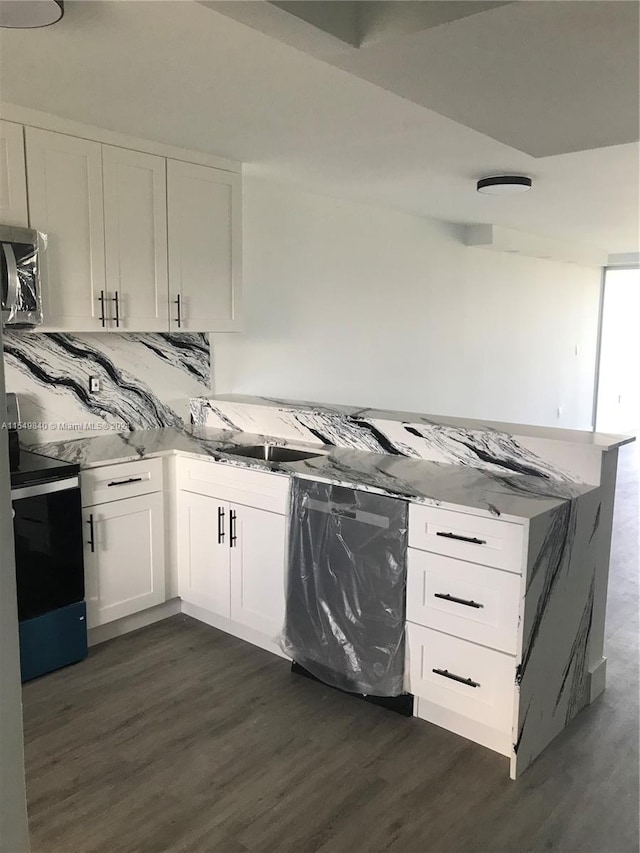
(524, 533)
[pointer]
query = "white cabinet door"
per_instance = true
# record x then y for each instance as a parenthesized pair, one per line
(125, 565)
(66, 202)
(135, 228)
(203, 552)
(13, 176)
(204, 219)
(258, 569)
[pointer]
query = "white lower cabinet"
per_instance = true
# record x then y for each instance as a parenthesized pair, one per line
(474, 596)
(231, 555)
(203, 555)
(464, 606)
(258, 570)
(124, 557)
(232, 560)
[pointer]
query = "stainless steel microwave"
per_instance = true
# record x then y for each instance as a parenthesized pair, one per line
(20, 278)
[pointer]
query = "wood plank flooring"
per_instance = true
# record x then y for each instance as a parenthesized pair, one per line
(180, 738)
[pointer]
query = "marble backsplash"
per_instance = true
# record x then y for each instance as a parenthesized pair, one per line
(393, 433)
(146, 380)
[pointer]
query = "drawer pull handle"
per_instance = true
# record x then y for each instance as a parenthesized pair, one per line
(473, 539)
(125, 482)
(446, 674)
(220, 525)
(447, 597)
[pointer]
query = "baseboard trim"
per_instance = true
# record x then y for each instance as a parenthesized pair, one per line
(229, 627)
(102, 633)
(597, 679)
(119, 627)
(493, 739)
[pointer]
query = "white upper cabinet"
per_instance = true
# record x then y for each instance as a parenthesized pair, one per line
(135, 228)
(204, 206)
(139, 238)
(66, 202)
(13, 176)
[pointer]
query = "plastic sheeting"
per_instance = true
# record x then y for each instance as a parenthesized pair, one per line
(346, 587)
(21, 297)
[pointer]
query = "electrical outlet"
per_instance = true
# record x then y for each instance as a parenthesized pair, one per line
(94, 384)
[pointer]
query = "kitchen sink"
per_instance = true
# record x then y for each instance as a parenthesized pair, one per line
(274, 453)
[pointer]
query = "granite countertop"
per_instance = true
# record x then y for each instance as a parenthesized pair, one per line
(512, 497)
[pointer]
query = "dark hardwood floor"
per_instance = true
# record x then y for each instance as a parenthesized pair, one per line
(181, 738)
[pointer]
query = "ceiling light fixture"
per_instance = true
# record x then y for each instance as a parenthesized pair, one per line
(504, 184)
(23, 14)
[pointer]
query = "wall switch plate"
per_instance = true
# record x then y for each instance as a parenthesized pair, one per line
(94, 384)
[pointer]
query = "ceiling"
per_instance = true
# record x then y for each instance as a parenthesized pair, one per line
(533, 75)
(402, 108)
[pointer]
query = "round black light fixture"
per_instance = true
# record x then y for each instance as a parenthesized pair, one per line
(29, 14)
(504, 184)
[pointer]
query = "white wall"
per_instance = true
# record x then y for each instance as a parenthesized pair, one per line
(353, 304)
(13, 807)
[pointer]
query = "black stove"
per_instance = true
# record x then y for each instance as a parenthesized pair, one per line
(48, 544)
(30, 469)
(48, 538)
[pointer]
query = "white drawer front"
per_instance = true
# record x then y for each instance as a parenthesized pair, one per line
(258, 489)
(463, 599)
(467, 537)
(126, 480)
(487, 697)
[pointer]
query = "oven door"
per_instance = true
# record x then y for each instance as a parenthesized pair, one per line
(47, 525)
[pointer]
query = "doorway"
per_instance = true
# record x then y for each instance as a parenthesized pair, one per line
(618, 399)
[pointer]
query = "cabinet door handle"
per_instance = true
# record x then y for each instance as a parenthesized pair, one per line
(178, 303)
(103, 319)
(220, 525)
(447, 597)
(124, 482)
(232, 528)
(446, 674)
(92, 542)
(116, 299)
(474, 540)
